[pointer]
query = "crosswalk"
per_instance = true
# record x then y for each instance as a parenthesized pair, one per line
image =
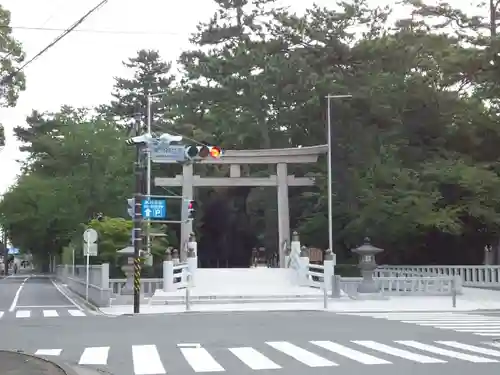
(274, 355)
(39, 313)
(481, 325)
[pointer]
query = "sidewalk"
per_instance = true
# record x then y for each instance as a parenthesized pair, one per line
(471, 300)
(18, 363)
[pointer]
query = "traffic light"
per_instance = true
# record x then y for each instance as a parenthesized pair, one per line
(191, 209)
(131, 207)
(201, 152)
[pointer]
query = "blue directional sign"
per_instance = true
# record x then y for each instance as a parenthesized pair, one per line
(154, 208)
(13, 251)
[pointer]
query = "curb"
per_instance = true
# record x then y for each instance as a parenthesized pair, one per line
(79, 299)
(68, 370)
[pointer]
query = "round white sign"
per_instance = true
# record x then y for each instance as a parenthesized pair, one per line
(90, 235)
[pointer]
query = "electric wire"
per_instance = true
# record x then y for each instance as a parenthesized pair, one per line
(98, 31)
(56, 40)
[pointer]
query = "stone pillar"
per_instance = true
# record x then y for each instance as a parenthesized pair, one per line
(328, 273)
(192, 257)
(283, 209)
(187, 192)
(168, 272)
(303, 271)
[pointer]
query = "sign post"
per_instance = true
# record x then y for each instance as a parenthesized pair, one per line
(89, 249)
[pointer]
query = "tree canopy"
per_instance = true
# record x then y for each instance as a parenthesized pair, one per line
(415, 156)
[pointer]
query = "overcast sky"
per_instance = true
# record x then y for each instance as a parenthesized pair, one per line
(79, 70)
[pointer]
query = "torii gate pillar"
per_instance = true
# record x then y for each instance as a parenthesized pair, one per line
(235, 158)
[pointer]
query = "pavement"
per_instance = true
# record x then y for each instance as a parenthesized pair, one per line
(244, 342)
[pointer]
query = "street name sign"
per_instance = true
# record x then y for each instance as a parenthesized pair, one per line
(154, 208)
(161, 153)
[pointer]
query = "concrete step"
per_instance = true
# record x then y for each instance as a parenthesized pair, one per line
(226, 299)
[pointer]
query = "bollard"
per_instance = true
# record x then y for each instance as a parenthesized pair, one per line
(188, 289)
(453, 293)
(336, 286)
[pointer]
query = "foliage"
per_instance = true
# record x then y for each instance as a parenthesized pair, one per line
(2, 136)
(415, 155)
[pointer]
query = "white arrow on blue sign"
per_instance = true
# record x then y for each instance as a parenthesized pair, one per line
(154, 208)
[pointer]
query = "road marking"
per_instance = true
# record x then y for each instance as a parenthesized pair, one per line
(494, 344)
(200, 360)
(254, 359)
(94, 356)
(44, 307)
(479, 330)
(350, 353)
(445, 352)
(470, 348)
(16, 297)
(301, 355)
(23, 313)
(147, 360)
(50, 313)
(66, 295)
(54, 352)
(398, 352)
(76, 313)
(1, 314)
(460, 324)
(487, 334)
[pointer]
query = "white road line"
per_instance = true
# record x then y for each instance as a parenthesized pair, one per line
(54, 352)
(23, 313)
(200, 360)
(398, 352)
(43, 306)
(448, 320)
(94, 356)
(494, 344)
(50, 313)
(350, 353)
(459, 324)
(470, 348)
(301, 355)
(477, 330)
(76, 313)
(445, 352)
(254, 359)
(16, 297)
(147, 360)
(1, 314)
(66, 295)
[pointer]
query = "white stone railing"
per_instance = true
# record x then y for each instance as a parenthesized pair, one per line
(471, 276)
(148, 285)
(177, 276)
(419, 285)
(315, 275)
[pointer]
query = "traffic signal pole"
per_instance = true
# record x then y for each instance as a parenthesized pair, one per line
(137, 224)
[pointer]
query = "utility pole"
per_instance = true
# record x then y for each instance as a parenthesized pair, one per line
(5, 252)
(137, 221)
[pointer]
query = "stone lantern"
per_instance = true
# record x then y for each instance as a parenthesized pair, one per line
(367, 265)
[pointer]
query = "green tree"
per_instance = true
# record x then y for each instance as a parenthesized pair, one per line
(2, 136)
(12, 80)
(77, 167)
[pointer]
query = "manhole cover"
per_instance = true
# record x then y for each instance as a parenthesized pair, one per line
(15, 363)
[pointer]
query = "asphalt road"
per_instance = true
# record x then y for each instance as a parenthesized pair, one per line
(32, 296)
(241, 343)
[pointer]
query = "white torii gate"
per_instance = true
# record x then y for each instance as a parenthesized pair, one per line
(281, 157)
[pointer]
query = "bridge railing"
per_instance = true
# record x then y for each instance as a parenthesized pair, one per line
(148, 285)
(470, 276)
(400, 286)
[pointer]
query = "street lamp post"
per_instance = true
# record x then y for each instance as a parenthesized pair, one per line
(330, 178)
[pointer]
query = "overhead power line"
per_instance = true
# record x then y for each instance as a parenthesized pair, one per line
(97, 31)
(56, 40)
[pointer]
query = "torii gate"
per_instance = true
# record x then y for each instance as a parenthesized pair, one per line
(281, 157)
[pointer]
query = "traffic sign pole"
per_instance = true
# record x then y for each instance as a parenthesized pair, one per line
(137, 225)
